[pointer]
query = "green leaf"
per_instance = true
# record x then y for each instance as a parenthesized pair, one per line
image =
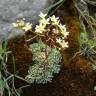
(1, 49)
(43, 69)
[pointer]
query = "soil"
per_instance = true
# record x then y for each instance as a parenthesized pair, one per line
(67, 83)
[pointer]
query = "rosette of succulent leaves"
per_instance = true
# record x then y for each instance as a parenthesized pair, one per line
(44, 66)
(46, 58)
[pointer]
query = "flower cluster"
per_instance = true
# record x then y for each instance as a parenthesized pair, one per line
(47, 24)
(23, 25)
(58, 27)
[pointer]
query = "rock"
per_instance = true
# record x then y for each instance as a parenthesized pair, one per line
(11, 10)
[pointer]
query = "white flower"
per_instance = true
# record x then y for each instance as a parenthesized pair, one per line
(65, 34)
(62, 43)
(19, 23)
(63, 30)
(44, 21)
(59, 40)
(15, 24)
(54, 20)
(62, 27)
(42, 15)
(54, 30)
(28, 26)
(39, 28)
(23, 19)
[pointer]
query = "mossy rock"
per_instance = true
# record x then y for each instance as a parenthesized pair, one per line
(81, 64)
(20, 56)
